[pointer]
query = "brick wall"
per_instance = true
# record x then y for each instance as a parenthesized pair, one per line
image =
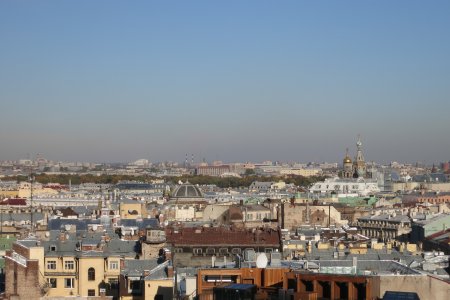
(22, 282)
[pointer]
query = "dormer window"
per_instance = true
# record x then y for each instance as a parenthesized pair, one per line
(53, 248)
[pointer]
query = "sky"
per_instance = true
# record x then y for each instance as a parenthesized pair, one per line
(116, 81)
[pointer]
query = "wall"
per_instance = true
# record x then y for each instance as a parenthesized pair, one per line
(125, 208)
(98, 263)
(214, 212)
(162, 287)
(296, 215)
(426, 287)
(22, 281)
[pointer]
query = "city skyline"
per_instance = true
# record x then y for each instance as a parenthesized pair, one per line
(253, 81)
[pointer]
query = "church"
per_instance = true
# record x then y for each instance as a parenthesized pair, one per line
(356, 169)
(354, 178)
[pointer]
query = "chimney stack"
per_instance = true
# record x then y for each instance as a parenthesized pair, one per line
(170, 271)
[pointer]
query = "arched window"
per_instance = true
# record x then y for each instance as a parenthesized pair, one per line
(91, 274)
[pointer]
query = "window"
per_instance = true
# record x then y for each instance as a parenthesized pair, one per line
(113, 283)
(197, 251)
(178, 250)
(91, 274)
(91, 292)
(51, 282)
(223, 251)
(69, 265)
(51, 264)
(69, 283)
(114, 265)
(236, 250)
(210, 251)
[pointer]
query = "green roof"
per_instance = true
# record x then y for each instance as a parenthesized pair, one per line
(6, 243)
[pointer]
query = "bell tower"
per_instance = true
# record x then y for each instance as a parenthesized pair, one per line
(359, 165)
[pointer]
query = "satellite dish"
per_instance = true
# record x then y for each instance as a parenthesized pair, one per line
(261, 261)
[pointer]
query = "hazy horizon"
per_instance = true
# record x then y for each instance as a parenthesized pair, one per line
(240, 81)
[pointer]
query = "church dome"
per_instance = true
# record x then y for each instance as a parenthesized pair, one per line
(347, 160)
(187, 191)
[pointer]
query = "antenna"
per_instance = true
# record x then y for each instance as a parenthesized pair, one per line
(261, 261)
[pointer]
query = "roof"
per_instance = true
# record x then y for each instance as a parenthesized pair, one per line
(433, 177)
(137, 267)
(13, 201)
(432, 219)
(17, 217)
(134, 186)
(215, 236)
(387, 217)
(187, 191)
(140, 223)
(57, 224)
(71, 247)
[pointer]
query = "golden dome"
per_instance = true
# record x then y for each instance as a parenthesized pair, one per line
(347, 160)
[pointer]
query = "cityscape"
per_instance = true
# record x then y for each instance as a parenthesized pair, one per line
(235, 150)
(346, 230)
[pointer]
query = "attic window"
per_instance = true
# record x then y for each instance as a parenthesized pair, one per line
(236, 250)
(223, 251)
(52, 247)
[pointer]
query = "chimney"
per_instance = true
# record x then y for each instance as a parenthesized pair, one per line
(388, 248)
(122, 264)
(146, 273)
(170, 271)
(355, 262)
(168, 254)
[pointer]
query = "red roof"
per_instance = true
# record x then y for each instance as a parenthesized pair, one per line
(215, 236)
(14, 201)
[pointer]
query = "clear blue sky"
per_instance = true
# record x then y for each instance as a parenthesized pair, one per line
(229, 80)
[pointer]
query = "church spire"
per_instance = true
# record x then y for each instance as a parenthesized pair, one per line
(359, 163)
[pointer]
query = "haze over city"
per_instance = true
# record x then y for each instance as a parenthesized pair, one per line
(233, 81)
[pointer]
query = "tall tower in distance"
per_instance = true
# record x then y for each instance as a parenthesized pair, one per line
(359, 165)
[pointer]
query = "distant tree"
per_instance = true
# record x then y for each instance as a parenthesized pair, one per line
(249, 172)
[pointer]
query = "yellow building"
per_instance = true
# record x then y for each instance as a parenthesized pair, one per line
(132, 209)
(146, 279)
(38, 189)
(66, 267)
